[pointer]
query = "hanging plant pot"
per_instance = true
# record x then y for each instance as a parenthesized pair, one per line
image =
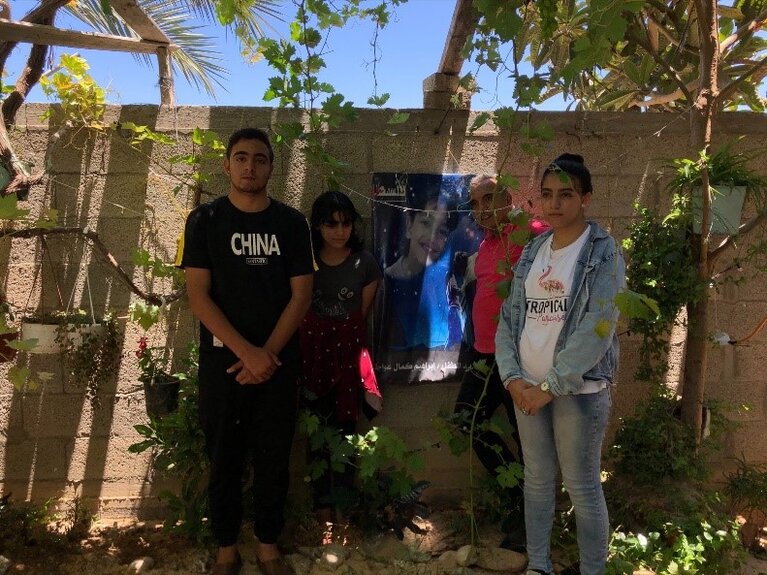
(161, 395)
(7, 353)
(726, 207)
(52, 336)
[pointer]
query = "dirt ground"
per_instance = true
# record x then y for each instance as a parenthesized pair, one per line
(119, 550)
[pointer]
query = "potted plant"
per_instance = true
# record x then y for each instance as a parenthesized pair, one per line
(89, 346)
(57, 329)
(730, 181)
(160, 386)
(90, 350)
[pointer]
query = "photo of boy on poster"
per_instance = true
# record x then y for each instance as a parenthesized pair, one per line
(419, 225)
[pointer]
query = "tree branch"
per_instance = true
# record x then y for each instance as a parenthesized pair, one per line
(25, 82)
(729, 241)
(21, 181)
(37, 16)
(748, 28)
(727, 91)
(664, 99)
(631, 35)
(662, 29)
(103, 251)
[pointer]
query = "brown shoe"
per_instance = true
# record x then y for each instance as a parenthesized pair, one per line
(227, 568)
(276, 566)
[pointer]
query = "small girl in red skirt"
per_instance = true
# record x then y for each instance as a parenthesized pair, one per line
(338, 376)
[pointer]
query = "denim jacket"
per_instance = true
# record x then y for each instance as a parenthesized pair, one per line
(581, 352)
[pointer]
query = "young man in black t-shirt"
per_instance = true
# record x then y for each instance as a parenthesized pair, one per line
(248, 264)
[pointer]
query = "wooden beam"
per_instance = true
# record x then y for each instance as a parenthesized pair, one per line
(137, 19)
(52, 36)
(167, 94)
(465, 20)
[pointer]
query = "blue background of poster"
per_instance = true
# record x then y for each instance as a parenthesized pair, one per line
(420, 222)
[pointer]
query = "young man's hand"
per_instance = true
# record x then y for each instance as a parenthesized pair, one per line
(255, 366)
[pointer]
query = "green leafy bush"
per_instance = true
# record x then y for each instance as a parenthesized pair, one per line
(660, 266)
(654, 446)
(683, 531)
(386, 491)
(178, 446)
(747, 489)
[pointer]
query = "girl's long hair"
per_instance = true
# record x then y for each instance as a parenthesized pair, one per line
(323, 208)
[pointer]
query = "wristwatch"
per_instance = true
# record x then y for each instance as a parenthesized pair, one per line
(545, 387)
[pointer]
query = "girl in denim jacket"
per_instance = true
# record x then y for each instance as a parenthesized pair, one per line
(557, 354)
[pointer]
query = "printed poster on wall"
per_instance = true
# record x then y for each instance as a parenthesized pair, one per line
(422, 235)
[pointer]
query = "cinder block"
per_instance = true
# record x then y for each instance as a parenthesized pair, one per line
(749, 360)
(130, 410)
(33, 460)
(11, 419)
(422, 153)
(52, 415)
(352, 148)
(106, 459)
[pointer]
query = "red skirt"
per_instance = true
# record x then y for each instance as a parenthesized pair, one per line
(335, 359)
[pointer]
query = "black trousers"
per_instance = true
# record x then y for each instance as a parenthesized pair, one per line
(491, 449)
(247, 424)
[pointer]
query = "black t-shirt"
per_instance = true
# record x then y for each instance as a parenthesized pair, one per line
(251, 258)
(338, 289)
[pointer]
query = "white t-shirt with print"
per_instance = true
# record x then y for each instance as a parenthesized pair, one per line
(548, 287)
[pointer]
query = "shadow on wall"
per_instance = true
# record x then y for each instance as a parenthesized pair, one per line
(57, 445)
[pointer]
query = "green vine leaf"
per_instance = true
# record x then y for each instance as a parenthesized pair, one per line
(481, 119)
(378, 100)
(509, 181)
(503, 288)
(504, 118)
(636, 305)
(398, 118)
(8, 209)
(144, 314)
(23, 344)
(510, 475)
(519, 237)
(18, 376)
(49, 219)
(4, 327)
(337, 111)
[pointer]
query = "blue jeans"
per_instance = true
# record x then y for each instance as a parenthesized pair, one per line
(567, 433)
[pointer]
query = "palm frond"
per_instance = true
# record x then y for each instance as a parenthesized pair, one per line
(197, 57)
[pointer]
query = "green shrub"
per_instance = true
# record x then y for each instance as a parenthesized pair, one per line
(747, 489)
(655, 446)
(660, 266)
(704, 542)
(386, 492)
(178, 446)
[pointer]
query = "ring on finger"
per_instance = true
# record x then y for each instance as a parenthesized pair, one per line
(525, 411)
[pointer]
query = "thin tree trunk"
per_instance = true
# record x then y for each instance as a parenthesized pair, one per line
(701, 127)
(695, 364)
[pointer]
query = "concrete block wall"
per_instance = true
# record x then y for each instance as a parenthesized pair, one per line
(54, 444)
